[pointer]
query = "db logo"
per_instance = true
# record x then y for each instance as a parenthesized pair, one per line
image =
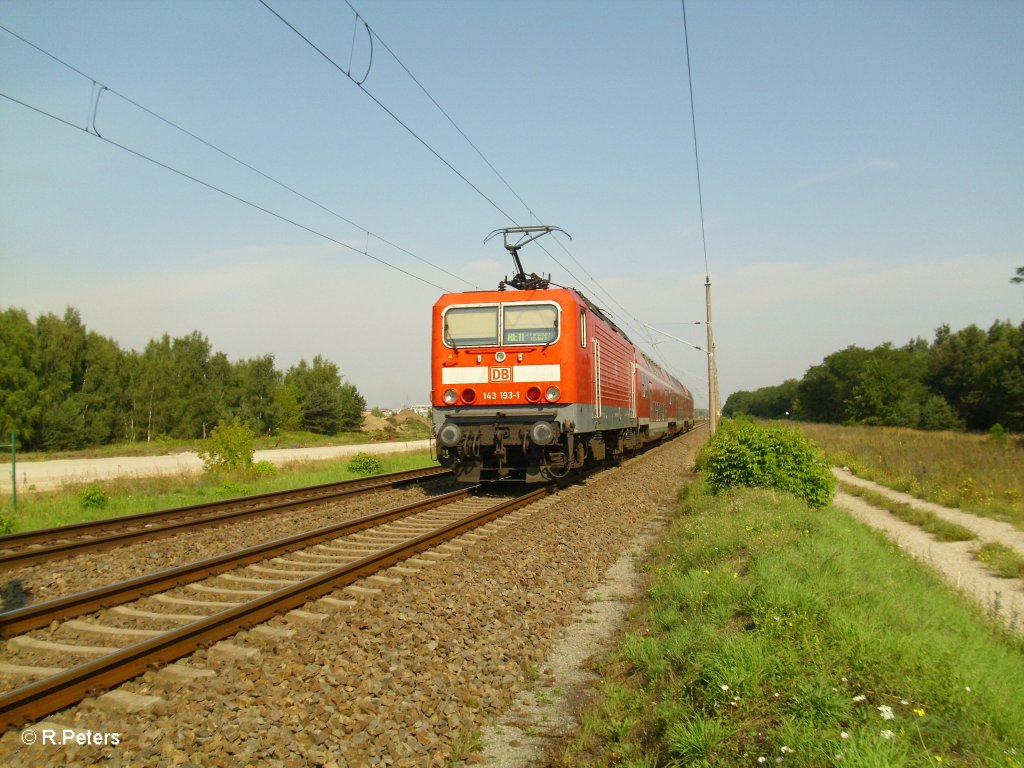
(501, 374)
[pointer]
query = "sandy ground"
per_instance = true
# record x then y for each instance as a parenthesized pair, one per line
(954, 561)
(52, 474)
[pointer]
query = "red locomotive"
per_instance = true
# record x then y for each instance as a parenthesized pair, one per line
(533, 383)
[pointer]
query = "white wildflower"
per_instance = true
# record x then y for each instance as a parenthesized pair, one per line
(860, 697)
(887, 734)
(725, 687)
(844, 735)
(887, 713)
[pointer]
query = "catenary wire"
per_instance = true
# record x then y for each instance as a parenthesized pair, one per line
(391, 114)
(696, 155)
(442, 110)
(220, 151)
(224, 192)
(449, 165)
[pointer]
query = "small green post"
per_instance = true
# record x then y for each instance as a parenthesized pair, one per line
(14, 470)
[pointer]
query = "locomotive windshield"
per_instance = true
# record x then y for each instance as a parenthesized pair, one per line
(530, 324)
(482, 326)
(471, 326)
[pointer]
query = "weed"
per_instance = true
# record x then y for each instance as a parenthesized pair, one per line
(696, 739)
(263, 469)
(1001, 559)
(466, 742)
(93, 497)
(365, 464)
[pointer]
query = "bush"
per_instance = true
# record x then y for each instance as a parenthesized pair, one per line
(997, 434)
(6, 525)
(232, 490)
(263, 469)
(365, 464)
(93, 497)
(743, 453)
(230, 447)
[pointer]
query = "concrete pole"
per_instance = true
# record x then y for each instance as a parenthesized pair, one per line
(712, 369)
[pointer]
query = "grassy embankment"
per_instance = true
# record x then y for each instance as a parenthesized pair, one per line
(44, 509)
(774, 634)
(973, 472)
(777, 634)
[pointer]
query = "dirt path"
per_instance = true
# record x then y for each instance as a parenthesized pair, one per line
(53, 474)
(954, 561)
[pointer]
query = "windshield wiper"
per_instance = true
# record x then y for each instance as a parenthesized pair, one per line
(448, 337)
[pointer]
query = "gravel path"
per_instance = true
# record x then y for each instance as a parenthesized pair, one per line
(406, 677)
(954, 561)
(56, 472)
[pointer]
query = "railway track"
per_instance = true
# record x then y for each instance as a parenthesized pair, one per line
(213, 599)
(30, 547)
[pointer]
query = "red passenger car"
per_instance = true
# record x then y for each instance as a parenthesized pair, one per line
(532, 383)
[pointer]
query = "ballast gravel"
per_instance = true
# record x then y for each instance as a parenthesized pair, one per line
(58, 578)
(402, 673)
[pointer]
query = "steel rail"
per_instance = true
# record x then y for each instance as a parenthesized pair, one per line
(42, 614)
(253, 505)
(43, 697)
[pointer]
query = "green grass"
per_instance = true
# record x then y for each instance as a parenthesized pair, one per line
(46, 509)
(1001, 559)
(941, 529)
(773, 631)
(973, 472)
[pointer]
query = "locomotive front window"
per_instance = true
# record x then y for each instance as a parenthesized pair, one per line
(471, 327)
(530, 324)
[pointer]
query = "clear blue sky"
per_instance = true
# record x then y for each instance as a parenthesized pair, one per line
(862, 167)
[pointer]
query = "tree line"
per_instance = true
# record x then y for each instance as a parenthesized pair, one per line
(65, 387)
(968, 379)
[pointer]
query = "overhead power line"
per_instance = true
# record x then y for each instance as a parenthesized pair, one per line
(696, 155)
(90, 128)
(348, 73)
(360, 83)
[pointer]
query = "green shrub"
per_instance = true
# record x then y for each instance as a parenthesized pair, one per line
(365, 464)
(230, 447)
(6, 525)
(232, 490)
(263, 469)
(743, 453)
(93, 497)
(997, 434)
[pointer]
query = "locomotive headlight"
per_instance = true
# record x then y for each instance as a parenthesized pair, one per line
(543, 433)
(450, 396)
(468, 395)
(533, 394)
(552, 394)
(450, 435)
